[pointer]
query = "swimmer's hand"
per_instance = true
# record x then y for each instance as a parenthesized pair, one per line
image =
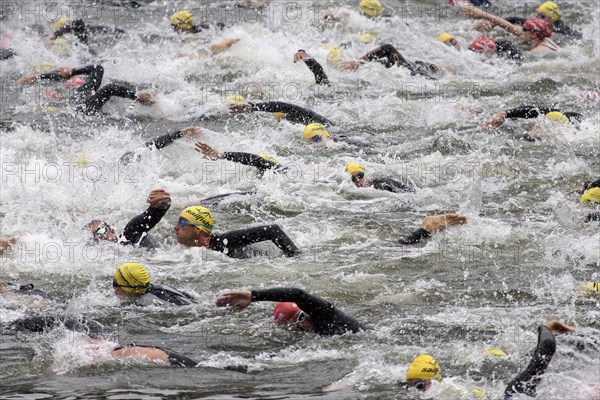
(484, 26)
(349, 65)
(146, 98)
(439, 223)
(191, 132)
(65, 72)
(208, 152)
(496, 121)
(300, 56)
(235, 300)
(221, 46)
(240, 108)
(558, 328)
(156, 198)
(6, 243)
(27, 79)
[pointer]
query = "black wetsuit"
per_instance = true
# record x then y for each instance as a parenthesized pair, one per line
(232, 243)
(534, 112)
(175, 359)
(29, 289)
(559, 26)
(136, 230)
(293, 113)
(595, 216)
(326, 319)
(415, 237)
(508, 49)
(158, 143)
(161, 294)
(82, 32)
(254, 161)
(390, 185)
(393, 57)
(6, 53)
(44, 323)
(527, 381)
(90, 97)
(317, 70)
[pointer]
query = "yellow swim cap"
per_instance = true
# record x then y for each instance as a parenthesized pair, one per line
(557, 116)
(59, 23)
(268, 158)
(444, 37)
(424, 366)
(335, 57)
(200, 216)
(315, 129)
(550, 9)
(235, 99)
(479, 394)
(366, 37)
(279, 115)
(592, 287)
(353, 167)
(133, 278)
(370, 8)
(591, 196)
(494, 352)
(182, 19)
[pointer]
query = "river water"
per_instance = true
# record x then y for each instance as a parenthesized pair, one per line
(487, 284)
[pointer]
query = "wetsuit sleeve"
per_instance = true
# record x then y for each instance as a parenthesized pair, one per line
(77, 27)
(415, 237)
(527, 112)
(317, 70)
(516, 20)
(527, 381)
(234, 241)
(249, 159)
(391, 54)
(292, 112)
(308, 303)
(565, 29)
(391, 185)
(592, 217)
(164, 140)
(143, 223)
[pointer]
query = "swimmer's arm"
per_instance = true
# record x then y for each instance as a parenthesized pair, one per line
(562, 27)
(160, 142)
(592, 217)
(249, 159)
(526, 112)
(478, 13)
(77, 27)
(415, 237)
(241, 238)
(314, 66)
(160, 202)
(527, 381)
(387, 51)
(516, 20)
(308, 303)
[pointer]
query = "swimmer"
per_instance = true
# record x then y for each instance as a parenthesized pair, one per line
(194, 229)
(317, 135)
(262, 162)
(307, 312)
(433, 224)
(136, 230)
(449, 40)
(534, 34)
(131, 283)
(88, 96)
(359, 178)
(281, 110)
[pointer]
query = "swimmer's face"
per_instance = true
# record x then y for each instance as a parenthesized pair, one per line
(419, 384)
(360, 179)
(452, 43)
(189, 235)
(101, 231)
(304, 322)
(319, 140)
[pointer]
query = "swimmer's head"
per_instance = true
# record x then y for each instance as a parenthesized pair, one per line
(235, 100)
(335, 57)
(366, 37)
(538, 27)
(59, 23)
(448, 40)
(370, 8)
(358, 174)
(484, 45)
(591, 195)
(285, 312)
(316, 134)
(200, 217)
(182, 20)
(132, 278)
(593, 287)
(550, 10)
(557, 116)
(422, 370)
(101, 230)
(268, 158)
(194, 226)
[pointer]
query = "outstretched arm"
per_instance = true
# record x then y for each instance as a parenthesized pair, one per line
(314, 66)
(238, 239)
(242, 299)
(159, 201)
(479, 13)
